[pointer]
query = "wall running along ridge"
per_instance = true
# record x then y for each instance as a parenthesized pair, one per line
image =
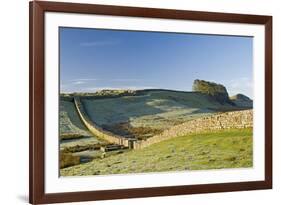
(227, 120)
(96, 130)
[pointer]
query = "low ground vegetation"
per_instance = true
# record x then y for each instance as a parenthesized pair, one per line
(215, 150)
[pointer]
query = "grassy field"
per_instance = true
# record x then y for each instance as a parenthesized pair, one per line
(216, 150)
(153, 111)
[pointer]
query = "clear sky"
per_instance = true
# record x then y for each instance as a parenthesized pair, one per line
(94, 59)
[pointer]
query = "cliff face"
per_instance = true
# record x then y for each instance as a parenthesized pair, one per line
(217, 91)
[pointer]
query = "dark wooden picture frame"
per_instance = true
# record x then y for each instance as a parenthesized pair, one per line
(37, 193)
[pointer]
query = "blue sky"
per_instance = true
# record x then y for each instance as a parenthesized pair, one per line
(94, 59)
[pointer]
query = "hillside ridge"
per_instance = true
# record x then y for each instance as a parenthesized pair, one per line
(216, 92)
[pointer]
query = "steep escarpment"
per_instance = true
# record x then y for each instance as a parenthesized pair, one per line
(217, 91)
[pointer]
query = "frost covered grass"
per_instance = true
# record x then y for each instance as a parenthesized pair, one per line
(74, 136)
(143, 116)
(154, 109)
(70, 123)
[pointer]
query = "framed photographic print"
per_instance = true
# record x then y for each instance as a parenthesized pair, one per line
(139, 102)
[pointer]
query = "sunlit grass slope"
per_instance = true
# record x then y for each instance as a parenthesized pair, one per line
(216, 150)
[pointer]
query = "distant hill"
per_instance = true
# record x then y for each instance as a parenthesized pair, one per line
(220, 94)
(242, 100)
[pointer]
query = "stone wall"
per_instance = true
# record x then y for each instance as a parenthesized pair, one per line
(96, 130)
(228, 120)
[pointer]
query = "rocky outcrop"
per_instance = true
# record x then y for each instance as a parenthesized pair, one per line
(216, 91)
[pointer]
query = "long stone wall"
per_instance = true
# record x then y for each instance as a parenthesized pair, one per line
(228, 120)
(96, 130)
